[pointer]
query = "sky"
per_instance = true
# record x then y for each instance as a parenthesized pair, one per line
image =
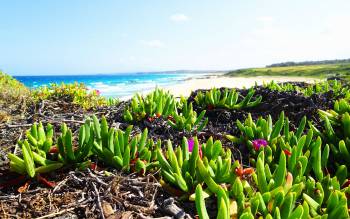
(111, 36)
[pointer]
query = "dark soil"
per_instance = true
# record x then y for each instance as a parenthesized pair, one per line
(89, 193)
(294, 105)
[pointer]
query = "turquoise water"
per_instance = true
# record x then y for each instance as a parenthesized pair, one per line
(113, 85)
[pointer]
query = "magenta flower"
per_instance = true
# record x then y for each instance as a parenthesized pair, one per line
(258, 143)
(191, 146)
(98, 92)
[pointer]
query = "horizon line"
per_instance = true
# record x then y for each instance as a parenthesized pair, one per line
(119, 73)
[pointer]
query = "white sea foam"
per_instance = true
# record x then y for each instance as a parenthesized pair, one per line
(121, 86)
(124, 89)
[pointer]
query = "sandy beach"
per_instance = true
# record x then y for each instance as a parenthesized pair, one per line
(188, 86)
(185, 88)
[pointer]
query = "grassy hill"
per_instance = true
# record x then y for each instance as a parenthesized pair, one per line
(322, 71)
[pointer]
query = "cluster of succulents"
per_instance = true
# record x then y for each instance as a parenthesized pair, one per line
(290, 176)
(35, 148)
(67, 153)
(156, 104)
(179, 113)
(188, 119)
(120, 150)
(293, 172)
(228, 98)
(336, 135)
(335, 86)
(299, 160)
(160, 103)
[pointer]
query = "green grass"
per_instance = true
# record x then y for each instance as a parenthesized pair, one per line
(315, 71)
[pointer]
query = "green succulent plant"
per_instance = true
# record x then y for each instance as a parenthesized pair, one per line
(261, 129)
(188, 119)
(38, 142)
(40, 139)
(69, 154)
(335, 86)
(292, 172)
(226, 99)
(157, 103)
(31, 163)
(118, 149)
(179, 167)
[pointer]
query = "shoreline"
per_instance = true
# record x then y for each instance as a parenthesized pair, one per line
(185, 84)
(191, 84)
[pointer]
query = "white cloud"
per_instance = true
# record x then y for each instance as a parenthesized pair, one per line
(179, 17)
(273, 41)
(153, 43)
(265, 19)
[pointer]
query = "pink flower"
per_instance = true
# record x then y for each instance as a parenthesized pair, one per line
(191, 146)
(98, 92)
(258, 143)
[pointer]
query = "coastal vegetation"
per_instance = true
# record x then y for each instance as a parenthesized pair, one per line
(271, 151)
(334, 86)
(76, 93)
(315, 71)
(13, 96)
(227, 99)
(155, 104)
(11, 89)
(323, 62)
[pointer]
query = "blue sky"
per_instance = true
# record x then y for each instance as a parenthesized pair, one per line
(72, 36)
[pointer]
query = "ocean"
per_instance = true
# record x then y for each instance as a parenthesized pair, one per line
(114, 85)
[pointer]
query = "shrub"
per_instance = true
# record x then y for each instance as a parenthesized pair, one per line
(75, 93)
(14, 96)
